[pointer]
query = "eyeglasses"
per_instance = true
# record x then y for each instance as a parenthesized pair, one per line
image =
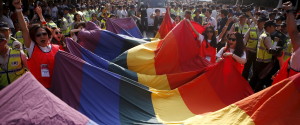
(232, 39)
(40, 34)
(58, 33)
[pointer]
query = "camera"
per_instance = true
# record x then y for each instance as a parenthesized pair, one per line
(276, 52)
(282, 38)
(246, 8)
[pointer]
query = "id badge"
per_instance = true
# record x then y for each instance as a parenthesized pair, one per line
(45, 71)
(207, 58)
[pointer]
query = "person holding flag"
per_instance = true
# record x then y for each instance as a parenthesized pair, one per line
(37, 41)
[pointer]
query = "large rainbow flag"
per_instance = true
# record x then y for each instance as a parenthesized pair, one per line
(104, 43)
(161, 82)
(177, 52)
(108, 98)
(26, 102)
(125, 26)
(276, 105)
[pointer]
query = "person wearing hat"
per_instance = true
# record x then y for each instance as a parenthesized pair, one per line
(12, 63)
(5, 16)
(265, 48)
(292, 65)
(4, 29)
(241, 26)
(251, 40)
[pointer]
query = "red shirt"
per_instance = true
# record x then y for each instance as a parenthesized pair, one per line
(207, 51)
(41, 64)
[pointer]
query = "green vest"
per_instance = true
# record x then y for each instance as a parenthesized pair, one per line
(19, 37)
(262, 52)
(51, 24)
(238, 29)
(11, 41)
(253, 39)
(65, 22)
(15, 68)
(87, 15)
(104, 24)
(288, 49)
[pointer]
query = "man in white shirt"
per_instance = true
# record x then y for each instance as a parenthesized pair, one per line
(210, 20)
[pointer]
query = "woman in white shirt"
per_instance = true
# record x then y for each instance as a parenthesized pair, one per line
(236, 49)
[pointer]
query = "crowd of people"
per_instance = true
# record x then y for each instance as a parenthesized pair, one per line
(260, 40)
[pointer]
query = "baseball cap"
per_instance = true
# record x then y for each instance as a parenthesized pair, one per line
(270, 23)
(262, 18)
(3, 25)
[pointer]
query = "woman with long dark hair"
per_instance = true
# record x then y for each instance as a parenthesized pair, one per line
(236, 49)
(207, 44)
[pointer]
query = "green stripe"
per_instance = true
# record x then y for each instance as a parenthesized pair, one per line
(122, 71)
(121, 60)
(136, 104)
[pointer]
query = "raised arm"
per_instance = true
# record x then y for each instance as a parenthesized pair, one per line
(225, 28)
(25, 31)
(251, 17)
(193, 27)
(39, 12)
(291, 26)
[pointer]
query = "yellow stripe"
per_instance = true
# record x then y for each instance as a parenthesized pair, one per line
(230, 115)
(157, 35)
(169, 107)
(154, 81)
(140, 59)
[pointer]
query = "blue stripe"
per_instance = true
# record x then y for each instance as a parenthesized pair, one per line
(93, 59)
(99, 98)
(110, 45)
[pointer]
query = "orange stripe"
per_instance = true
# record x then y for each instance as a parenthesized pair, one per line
(207, 100)
(278, 104)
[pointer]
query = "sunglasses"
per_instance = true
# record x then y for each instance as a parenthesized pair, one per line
(2, 40)
(210, 31)
(40, 34)
(232, 39)
(58, 33)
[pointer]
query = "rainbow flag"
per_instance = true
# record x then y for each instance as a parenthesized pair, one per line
(26, 101)
(108, 98)
(276, 105)
(166, 26)
(177, 52)
(161, 82)
(104, 43)
(125, 26)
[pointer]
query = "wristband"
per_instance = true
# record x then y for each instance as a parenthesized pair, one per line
(44, 23)
(19, 10)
